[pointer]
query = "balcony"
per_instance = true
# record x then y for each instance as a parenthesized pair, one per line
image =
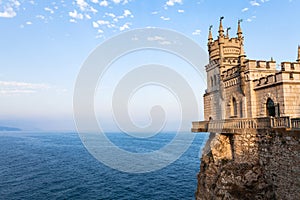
(232, 126)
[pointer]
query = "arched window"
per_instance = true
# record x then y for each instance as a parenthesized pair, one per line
(234, 107)
(270, 108)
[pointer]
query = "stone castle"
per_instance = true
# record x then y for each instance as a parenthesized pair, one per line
(238, 87)
(252, 111)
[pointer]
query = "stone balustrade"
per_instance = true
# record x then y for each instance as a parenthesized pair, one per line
(280, 122)
(295, 123)
(238, 125)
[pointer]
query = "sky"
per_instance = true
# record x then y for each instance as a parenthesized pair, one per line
(43, 45)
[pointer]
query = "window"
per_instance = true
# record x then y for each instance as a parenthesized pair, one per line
(292, 66)
(215, 79)
(234, 107)
(211, 82)
(270, 108)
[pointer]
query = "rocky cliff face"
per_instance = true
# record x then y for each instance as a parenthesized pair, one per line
(257, 164)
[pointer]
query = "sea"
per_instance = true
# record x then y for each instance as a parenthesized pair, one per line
(56, 165)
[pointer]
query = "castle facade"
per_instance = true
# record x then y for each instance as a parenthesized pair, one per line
(238, 87)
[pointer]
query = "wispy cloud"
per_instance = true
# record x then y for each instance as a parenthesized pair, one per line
(95, 25)
(125, 26)
(7, 8)
(49, 10)
(121, 1)
(76, 15)
(254, 3)
(82, 4)
(104, 3)
(165, 18)
(251, 18)
(245, 9)
(181, 11)
(160, 40)
(14, 87)
(196, 32)
(173, 2)
(127, 13)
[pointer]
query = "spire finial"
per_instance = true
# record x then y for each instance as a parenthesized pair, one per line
(227, 31)
(221, 30)
(210, 38)
(239, 31)
(298, 60)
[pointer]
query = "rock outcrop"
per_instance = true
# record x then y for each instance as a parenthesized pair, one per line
(257, 164)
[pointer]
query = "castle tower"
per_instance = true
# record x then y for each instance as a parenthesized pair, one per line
(228, 52)
(225, 53)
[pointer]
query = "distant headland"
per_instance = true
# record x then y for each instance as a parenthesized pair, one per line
(5, 128)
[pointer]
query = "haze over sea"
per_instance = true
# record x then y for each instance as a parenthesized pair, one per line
(44, 165)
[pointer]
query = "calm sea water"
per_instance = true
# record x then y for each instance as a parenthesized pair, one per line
(57, 166)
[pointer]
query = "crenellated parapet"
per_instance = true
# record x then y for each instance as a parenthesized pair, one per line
(290, 72)
(265, 81)
(290, 66)
(260, 64)
(228, 51)
(230, 73)
(231, 48)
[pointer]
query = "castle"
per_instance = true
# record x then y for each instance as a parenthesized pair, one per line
(240, 88)
(252, 111)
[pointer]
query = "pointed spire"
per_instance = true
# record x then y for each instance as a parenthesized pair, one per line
(298, 60)
(239, 31)
(227, 32)
(272, 59)
(221, 30)
(210, 37)
(242, 52)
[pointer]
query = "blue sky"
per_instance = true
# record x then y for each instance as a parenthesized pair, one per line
(44, 43)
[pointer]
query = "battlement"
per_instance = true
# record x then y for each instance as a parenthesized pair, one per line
(224, 46)
(289, 72)
(266, 80)
(260, 64)
(229, 73)
(231, 47)
(290, 66)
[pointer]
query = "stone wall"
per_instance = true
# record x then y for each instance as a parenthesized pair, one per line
(257, 164)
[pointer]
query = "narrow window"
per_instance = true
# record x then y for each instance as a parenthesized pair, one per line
(234, 107)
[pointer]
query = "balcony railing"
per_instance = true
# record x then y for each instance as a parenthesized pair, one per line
(236, 125)
(295, 123)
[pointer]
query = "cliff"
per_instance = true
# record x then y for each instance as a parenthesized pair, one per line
(255, 164)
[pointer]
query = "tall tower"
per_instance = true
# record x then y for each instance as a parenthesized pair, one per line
(228, 52)
(224, 54)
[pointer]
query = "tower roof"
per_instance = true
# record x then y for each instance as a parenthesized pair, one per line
(227, 31)
(221, 30)
(239, 30)
(210, 37)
